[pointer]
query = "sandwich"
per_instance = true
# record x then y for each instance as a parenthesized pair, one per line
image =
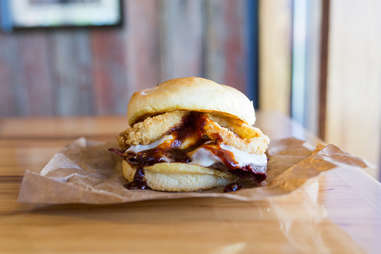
(190, 134)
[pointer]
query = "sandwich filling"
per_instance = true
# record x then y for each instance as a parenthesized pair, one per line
(210, 141)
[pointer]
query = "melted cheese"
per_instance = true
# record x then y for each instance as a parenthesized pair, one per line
(244, 158)
(203, 157)
(206, 158)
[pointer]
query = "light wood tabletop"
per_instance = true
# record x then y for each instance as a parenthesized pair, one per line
(341, 213)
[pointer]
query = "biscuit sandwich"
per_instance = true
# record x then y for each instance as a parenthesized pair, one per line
(190, 134)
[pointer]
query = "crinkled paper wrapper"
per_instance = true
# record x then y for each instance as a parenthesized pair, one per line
(86, 172)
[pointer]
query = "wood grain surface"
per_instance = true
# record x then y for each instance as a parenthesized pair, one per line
(226, 47)
(275, 37)
(71, 55)
(353, 85)
(98, 70)
(181, 36)
(143, 50)
(350, 199)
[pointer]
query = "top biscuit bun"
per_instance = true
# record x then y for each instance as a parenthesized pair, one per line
(192, 94)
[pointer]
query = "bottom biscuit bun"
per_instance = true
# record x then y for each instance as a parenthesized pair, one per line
(179, 176)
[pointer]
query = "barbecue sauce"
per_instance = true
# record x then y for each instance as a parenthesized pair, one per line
(191, 126)
(190, 130)
(139, 181)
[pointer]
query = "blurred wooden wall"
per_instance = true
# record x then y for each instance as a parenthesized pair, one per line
(275, 67)
(94, 72)
(354, 78)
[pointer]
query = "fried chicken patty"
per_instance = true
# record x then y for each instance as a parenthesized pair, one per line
(151, 129)
(233, 132)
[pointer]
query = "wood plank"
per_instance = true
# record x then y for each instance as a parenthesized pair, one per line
(7, 98)
(181, 35)
(109, 72)
(18, 155)
(323, 78)
(15, 83)
(354, 91)
(19, 86)
(142, 44)
(351, 189)
(61, 128)
(34, 74)
(275, 23)
(225, 224)
(72, 62)
(226, 49)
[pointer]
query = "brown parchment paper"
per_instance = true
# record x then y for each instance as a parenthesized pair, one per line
(85, 172)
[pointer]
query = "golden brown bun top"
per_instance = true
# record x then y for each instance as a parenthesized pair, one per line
(193, 94)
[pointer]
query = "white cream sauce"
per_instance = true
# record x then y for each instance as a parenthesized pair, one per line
(206, 158)
(244, 158)
(140, 148)
(203, 157)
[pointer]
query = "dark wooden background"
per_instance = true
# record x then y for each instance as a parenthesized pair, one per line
(94, 72)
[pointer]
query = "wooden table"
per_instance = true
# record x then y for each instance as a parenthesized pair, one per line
(340, 214)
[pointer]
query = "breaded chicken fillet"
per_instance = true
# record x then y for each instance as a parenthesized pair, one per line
(153, 128)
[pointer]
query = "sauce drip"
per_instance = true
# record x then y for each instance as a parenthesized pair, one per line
(139, 181)
(191, 130)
